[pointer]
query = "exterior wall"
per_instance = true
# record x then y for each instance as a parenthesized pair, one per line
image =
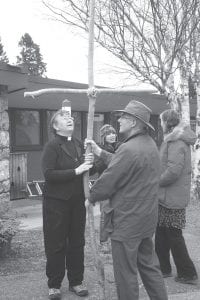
(34, 156)
(19, 144)
(4, 146)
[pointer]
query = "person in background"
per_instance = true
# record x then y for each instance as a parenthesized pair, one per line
(174, 196)
(108, 142)
(131, 183)
(64, 213)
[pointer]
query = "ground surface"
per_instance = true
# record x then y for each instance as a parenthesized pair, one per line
(22, 272)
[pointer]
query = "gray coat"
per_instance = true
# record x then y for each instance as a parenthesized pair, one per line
(131, 183)
(175, 181)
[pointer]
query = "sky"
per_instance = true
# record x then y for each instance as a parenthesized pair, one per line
(64, 51)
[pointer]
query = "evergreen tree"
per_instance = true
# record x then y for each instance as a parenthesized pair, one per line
(3, 56)
(30, 56)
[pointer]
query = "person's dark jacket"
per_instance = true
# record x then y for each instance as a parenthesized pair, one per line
(131, 183)
(58, 166)
(175, 181)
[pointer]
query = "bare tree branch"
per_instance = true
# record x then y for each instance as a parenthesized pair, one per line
(151, 37)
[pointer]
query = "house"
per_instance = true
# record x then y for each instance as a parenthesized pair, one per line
(29, 118)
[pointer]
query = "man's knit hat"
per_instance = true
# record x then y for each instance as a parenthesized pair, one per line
(106, 130)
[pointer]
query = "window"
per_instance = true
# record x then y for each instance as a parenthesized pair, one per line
(50, 113)
(25, 129)
(77, 124)
(98, 123)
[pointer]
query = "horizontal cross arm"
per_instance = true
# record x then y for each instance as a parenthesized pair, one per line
(37, 93)
(90, 91)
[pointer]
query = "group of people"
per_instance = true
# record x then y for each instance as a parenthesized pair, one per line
(144, 193)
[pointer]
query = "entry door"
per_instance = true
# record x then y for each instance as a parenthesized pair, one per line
(18, 175)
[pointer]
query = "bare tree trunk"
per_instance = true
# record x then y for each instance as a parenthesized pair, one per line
(171, 95)
(195, 47)
(173, 100)
(185, 104)
(196, 165)
(92, 99)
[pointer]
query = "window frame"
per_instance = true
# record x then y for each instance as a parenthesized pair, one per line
(12, 117)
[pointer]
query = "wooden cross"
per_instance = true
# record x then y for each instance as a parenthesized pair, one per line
(92, 93)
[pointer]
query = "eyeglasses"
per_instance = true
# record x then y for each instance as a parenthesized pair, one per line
(110, 132)
(127, 117)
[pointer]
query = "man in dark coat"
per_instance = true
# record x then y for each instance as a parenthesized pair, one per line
(131, 183)
(64, 211)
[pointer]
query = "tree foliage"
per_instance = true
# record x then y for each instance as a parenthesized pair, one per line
(152, 37)
(30, 56)
(3, 56)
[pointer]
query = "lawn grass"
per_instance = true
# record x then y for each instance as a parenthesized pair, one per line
(27, 249)
(26, 255)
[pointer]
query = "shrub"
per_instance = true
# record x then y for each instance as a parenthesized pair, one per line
(8, 226)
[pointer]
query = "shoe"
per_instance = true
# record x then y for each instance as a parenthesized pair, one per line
(166, 275)
(79, 290)
(54, 294)
(187, 280)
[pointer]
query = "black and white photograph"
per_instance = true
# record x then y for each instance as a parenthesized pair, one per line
(100, 149)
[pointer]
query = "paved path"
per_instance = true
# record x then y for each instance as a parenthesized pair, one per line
(34, 287)
(30, 213)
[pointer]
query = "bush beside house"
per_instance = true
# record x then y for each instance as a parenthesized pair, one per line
(8, 227)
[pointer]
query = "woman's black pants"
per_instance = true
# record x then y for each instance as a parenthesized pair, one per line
(64, 228)
(171, 239)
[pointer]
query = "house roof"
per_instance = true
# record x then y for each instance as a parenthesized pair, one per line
(14, 77)
(19, 82)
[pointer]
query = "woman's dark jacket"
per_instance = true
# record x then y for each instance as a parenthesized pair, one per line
(58, 166)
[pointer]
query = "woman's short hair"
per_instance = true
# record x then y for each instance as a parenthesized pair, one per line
(171, 118)
(53, 120)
